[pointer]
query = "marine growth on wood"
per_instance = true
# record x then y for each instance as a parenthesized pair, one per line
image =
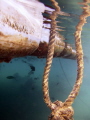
(19, 33)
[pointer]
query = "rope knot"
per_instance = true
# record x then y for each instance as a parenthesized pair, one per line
(61, 112)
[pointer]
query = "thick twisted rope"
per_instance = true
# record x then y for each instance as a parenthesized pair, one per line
(50, 54)
(60, 110)
(79, 51)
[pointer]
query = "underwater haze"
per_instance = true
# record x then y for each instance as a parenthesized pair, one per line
(21, 96)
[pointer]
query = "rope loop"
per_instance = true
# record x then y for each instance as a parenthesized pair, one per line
(63, 110)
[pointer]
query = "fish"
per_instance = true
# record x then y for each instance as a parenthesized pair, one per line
(10, 77)
(32, 68)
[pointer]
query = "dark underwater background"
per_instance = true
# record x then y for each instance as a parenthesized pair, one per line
(21, 95)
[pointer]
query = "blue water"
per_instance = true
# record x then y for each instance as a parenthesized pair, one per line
(21, 95)
(21, 80)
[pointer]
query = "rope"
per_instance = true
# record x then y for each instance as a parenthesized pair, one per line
(50, 55)
(79, 51)
(60, 110)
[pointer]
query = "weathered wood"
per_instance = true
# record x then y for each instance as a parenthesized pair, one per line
(24, 31)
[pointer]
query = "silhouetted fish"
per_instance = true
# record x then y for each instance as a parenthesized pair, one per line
(32, 67)
(10, 77)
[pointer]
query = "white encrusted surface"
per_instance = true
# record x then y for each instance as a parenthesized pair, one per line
(22, 17)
